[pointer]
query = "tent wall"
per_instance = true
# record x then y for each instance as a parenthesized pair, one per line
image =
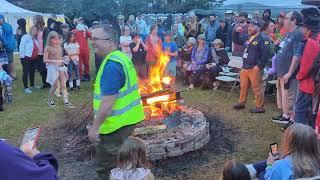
(12, 19)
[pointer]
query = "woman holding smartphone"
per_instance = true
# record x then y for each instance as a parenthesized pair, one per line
(28, 163)
(299, 156)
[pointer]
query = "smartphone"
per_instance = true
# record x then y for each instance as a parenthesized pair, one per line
(31, 135)
(275, 151)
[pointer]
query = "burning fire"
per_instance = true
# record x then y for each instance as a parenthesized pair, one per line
(159, 102)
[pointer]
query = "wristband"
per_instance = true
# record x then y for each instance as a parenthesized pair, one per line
(269, 166)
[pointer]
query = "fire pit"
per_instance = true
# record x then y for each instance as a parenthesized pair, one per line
(181, 132)
(169, 129)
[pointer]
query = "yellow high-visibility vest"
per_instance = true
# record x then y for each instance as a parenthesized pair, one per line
(127, 109)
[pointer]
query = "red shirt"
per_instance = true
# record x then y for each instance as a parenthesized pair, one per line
(310, 52)
(82, 39)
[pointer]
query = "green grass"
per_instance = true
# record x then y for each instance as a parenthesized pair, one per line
(256, 131)
(28, 111)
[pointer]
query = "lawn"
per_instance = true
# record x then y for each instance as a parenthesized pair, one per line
(251, 133)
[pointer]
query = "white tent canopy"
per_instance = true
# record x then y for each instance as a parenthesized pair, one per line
(12, 13)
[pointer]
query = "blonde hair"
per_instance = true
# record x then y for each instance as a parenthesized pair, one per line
(132, 154)
(54, 52)
(301, 144)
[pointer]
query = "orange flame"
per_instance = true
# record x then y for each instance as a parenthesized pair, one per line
(157, 80)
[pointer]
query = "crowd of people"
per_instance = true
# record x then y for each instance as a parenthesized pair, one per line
(286, 49)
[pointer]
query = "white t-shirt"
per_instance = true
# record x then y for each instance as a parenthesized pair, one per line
(72, 48)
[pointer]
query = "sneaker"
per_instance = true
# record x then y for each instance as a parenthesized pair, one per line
(191, 87)
(239, 106)
(72, 89)
(287, 125)
(78, 88)
(27, 91)
(282, 120)
(277, 117)
(51, 103)
(257, 110)
(69, 105)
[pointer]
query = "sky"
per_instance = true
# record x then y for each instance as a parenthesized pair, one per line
(267, 2)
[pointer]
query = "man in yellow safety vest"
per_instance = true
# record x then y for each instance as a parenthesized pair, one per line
(116, 103)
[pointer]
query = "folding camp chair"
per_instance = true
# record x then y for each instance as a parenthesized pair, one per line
(234, 62)
(231, 77)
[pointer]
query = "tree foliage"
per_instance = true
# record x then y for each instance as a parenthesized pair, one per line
(99, 9)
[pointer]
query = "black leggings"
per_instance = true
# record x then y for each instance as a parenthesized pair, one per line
(28, 68)
(41, 67)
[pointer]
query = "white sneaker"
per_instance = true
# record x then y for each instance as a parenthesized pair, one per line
(69, 105)
(191, 87)
(27, 91)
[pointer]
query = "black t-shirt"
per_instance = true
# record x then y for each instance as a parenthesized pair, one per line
(139, 57)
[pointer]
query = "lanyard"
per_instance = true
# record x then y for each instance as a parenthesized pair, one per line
(249, 42)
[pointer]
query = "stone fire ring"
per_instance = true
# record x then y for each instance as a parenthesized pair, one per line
(190, 135)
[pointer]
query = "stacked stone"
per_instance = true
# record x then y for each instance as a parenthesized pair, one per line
(192, 134)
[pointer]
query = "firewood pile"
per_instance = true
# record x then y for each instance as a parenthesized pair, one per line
(68, 135)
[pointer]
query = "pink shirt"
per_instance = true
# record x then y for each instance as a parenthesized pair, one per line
(40, 41)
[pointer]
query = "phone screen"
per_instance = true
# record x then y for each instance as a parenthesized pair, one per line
(31, 135)
(274, 150)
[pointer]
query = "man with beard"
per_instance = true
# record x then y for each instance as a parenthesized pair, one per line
(211, 30)
(193, 27)
(254, 59)
(267, 16)
(240, 30)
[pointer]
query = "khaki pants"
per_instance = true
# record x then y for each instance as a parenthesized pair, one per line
(107, 150)
(253, 77)
(286, 97)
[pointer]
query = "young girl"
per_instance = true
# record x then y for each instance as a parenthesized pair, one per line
(56, 71)
(72, 49)
(132, 162)
(125, 41)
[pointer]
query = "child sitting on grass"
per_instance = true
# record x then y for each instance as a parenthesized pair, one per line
(72, 50)
(132, 162)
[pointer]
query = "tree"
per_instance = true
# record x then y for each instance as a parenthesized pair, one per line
(99, 9)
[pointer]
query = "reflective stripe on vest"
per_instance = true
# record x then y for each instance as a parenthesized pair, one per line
(127, 109)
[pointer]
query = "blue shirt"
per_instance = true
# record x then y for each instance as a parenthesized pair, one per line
(113, 78)
(172, 46)
(282, 170)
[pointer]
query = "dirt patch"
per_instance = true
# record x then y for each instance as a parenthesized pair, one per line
(66, 138)
(222, 144)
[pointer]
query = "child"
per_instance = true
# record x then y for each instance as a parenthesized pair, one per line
(132, 162)
(5, 86)
(56, 71)
(72, 50)
(171, 49)
(234, 170)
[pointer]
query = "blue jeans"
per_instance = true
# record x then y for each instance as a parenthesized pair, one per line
(303, 109)
(73, 69)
